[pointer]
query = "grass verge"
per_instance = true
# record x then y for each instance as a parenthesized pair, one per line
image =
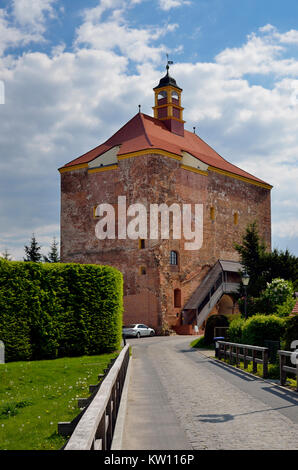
(35, 396)
(200, 343)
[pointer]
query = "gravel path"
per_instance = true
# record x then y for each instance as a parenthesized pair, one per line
(216, 407)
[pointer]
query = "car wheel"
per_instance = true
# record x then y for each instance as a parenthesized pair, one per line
(151, 333)
(138, 335)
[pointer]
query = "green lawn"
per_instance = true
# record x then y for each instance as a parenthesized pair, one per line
(35, 396)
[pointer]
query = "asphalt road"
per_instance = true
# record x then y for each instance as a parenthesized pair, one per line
(180, 399)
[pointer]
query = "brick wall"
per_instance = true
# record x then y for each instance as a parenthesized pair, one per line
(149, 298)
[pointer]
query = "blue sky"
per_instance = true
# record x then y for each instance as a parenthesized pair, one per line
(74, 72)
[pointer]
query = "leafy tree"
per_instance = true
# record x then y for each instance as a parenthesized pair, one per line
(53, 255)
(33, 251)
(284, 265)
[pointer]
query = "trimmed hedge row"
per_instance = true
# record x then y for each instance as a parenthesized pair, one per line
(258, 328)
(55, 310)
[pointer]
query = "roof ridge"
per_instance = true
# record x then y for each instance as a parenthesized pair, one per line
(144, 127)
(121, 128)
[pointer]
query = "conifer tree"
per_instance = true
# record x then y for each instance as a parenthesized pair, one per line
(263, 266)
(53, 255)
(6, 255)
(253, 257)
(33, 251)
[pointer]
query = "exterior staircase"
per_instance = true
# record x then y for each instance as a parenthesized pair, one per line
(223, 278)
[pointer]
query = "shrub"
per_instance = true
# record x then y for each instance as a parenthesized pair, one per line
(51, 310)
(291, 331)
(212, 322)
(285, 309)
(259, 328)
(277, 293)
(236, 330)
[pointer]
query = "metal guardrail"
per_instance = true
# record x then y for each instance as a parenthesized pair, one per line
(95, 429)
(283, 368)
(233, 351)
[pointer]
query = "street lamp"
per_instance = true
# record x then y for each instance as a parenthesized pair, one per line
(245, 281)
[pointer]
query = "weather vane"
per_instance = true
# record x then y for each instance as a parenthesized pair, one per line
(169, 62)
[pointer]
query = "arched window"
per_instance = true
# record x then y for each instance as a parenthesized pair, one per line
(177, 298)
(173, 258)
(162, 94)
(175, 95)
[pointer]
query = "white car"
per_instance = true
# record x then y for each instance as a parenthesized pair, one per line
(137, 330)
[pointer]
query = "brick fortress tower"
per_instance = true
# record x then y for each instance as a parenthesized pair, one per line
(154, 160)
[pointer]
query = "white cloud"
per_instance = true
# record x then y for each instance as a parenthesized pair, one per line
(168, 4)
(11, 36)
(116, 34)
(59, 105)
(286, 229)
(33, 13)
(26, 23)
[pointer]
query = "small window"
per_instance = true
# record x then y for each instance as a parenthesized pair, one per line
(177, 298)
(212, 213)
(162, 94)
(236, 218)
(142, 270)
(174, 258)
(141, 243)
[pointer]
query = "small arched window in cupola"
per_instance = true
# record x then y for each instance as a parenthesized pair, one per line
(175, 97)
(162, 95)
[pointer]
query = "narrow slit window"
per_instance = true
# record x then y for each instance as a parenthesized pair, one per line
(174, 258)
(236, 218)
(212, 213)
(177, 298)
(143, 270)
(141, 243)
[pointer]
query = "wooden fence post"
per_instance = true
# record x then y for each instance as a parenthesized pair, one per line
(265, 363)
(282, 373)
(254, 364)
(244, 358)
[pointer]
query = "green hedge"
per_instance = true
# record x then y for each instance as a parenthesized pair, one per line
(259, 328)
(55, 310)
(291, 331)
(235, 330)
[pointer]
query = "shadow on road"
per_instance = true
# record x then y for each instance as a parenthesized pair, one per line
(237, 372)
(218, 418)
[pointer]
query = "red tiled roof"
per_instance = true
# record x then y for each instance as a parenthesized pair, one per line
(144, 132)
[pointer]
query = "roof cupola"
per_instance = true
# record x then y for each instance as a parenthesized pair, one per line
(168, 103)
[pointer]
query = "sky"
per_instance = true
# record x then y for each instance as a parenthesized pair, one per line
(73, 72)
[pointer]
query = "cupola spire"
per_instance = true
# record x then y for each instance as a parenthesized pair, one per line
(168, 102)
